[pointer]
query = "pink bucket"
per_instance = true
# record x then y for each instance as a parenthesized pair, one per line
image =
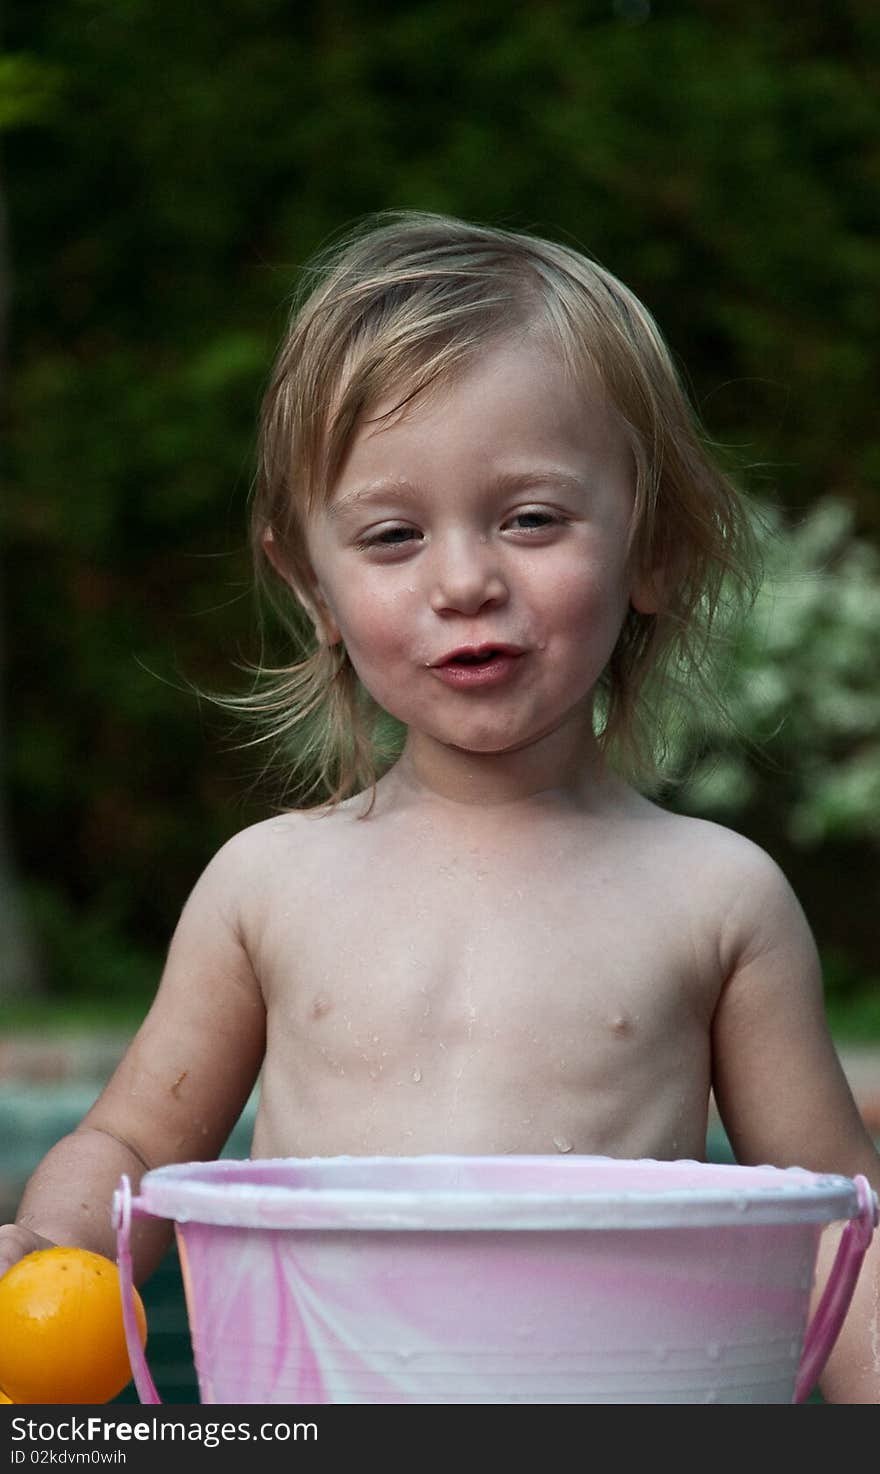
(500, 1279)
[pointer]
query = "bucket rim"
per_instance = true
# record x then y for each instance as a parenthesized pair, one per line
(216, 1193)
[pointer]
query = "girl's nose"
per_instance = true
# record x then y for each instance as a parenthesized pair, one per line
(467, 576)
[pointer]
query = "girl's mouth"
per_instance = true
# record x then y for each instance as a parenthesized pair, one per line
(474, 659)
(477, 654)
(487, 666)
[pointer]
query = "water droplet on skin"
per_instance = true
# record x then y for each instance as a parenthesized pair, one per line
(562, 1144)
(417, 1075)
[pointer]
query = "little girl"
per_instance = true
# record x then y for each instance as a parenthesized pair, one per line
(487, 510)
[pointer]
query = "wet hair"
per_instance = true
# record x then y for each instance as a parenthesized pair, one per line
(401, 303)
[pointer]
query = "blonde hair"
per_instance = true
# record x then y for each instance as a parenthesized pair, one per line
(404, 301)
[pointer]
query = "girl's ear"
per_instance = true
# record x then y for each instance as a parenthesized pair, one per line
(647, 591)
(310, 595)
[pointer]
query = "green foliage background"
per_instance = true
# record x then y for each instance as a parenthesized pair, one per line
(169, 166)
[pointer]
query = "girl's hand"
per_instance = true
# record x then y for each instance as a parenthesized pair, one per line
(16, 1241)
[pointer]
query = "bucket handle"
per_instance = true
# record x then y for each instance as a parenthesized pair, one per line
(123, 1208)
(831, 1312)
(821, 1336)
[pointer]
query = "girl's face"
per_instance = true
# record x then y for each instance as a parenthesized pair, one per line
(492, 514)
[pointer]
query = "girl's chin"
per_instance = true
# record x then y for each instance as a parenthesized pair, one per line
(485, 745)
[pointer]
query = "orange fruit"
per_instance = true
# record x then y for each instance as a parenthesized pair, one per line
(61, 1333)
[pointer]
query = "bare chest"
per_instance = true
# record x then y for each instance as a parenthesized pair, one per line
(520, 952)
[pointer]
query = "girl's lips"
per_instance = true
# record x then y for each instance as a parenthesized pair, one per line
(484, 673)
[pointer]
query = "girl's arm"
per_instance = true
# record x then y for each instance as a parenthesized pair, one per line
(782, 1093)
(176, 1094)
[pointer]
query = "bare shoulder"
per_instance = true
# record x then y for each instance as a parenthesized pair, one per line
(759, 909)
(733, 881)
(279, 854)
(702, 838)
(696, 842)
(259, 848)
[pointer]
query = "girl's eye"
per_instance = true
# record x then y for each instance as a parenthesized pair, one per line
(535, 521)
(398, 537)
(389, 537)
